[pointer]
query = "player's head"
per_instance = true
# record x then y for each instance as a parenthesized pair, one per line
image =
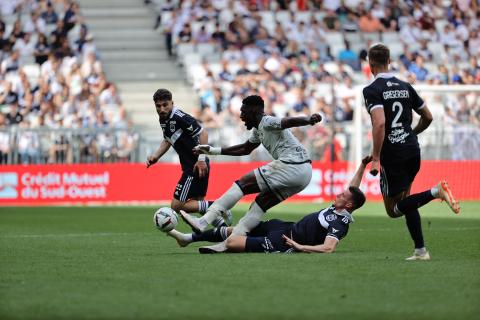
(378, 58)
(251, 111)
(163, 103)
(350, 199)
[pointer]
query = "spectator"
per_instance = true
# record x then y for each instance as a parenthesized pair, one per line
(418, 68)
(369, 23)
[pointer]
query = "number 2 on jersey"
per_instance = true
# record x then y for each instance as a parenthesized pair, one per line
(397, 116)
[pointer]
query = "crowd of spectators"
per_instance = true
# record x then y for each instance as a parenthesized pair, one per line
(51, 78)
(307, 56)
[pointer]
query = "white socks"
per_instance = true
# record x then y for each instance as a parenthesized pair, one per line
(434, 191)
(187, 237)
(249, 221)
(225, 202)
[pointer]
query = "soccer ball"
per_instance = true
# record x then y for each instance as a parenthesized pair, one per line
(165, 219)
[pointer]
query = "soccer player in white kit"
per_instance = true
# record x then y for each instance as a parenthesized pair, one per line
(289, 173)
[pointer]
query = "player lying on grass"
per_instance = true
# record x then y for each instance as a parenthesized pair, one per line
(316, 232)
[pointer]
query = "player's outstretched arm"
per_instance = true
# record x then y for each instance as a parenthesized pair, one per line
(425, 119)
(357, 178)
(237, 150)
(328, 246)
(201, 165)
(164, 146)
(378, 133)
(290, 122)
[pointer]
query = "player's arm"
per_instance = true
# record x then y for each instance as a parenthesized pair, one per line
(357, 178)
(290, 122)
(201, 164)
(237, 150)
(378, 132)
(164, 146)
(426, 119)
(328, 246)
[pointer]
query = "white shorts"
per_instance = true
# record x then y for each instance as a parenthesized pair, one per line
(283, 179)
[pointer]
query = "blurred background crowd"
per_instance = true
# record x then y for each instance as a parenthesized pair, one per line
(300, 56)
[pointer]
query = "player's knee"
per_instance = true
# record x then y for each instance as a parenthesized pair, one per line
(393, 214)
(233, 243)
(177, 206)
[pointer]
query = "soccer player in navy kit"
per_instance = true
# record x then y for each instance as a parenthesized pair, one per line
(183, 132)
(317, 232)
(396, 152)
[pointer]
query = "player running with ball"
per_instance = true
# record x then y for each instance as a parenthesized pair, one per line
(396, 152)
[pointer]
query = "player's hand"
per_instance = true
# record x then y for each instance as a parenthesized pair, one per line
(206, 149)
(375, 168)
(367, 160)
(291, 243)
(315, 118)
(201, 168)
(201, 149)
(150, 160)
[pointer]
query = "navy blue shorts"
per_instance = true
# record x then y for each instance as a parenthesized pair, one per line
(191, 186)
(267, 237)
(396, 177)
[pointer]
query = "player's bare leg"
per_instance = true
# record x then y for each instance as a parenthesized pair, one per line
(246, 185)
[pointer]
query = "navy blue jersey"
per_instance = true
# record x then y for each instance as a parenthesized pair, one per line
(181, 130)
(315, 227)
(398, 99)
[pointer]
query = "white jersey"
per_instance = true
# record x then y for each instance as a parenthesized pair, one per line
(280, 143)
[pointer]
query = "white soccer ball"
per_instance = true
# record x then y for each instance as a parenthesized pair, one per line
(165, 219)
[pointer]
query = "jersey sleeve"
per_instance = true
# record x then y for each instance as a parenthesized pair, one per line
(254, 138)
(417, 102)
(337, 230)
(372, 99)
(272, 123)
(189, 125)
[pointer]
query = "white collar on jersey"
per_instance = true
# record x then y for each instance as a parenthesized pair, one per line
(384, 75)
(173, 111)
(344, 213)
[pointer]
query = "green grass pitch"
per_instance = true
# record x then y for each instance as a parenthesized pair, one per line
(110, 263)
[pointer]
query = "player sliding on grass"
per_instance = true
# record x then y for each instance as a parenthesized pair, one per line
(396, 153)
(183, 132)
(289, 173)
(317, 232)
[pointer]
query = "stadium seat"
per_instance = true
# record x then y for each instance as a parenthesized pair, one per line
(334, 38)
(205, 49)
(184, 48)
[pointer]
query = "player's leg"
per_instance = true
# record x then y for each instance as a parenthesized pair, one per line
(277, 181)
(213, 235)
(255, 213)
(246, 185)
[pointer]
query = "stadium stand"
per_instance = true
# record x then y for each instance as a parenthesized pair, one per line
(304, 61)
(300, 56)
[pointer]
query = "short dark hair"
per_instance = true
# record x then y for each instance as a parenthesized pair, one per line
(162, 95)
(378, 55)
(358, 197)
(254, 101)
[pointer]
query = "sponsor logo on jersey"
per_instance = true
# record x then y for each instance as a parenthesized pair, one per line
(172, 126)
(398, 136)
(331, 217)
(334, 230)
(389, 83)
